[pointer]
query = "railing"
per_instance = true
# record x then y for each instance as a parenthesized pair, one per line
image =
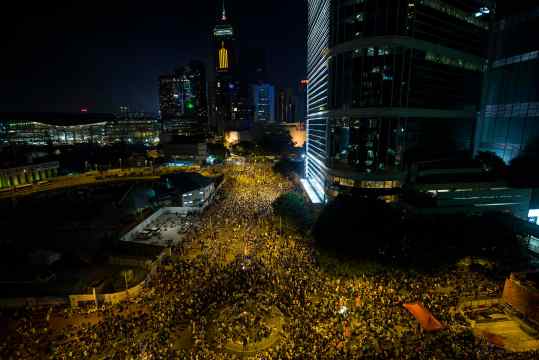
(55, 183)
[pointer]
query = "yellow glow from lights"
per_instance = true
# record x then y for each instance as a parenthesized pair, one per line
(232, 138)
(223, 57)
(298, 135)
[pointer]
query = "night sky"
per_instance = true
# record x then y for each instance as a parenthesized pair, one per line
(102, 55)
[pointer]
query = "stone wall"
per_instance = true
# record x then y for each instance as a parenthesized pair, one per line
(115, 298)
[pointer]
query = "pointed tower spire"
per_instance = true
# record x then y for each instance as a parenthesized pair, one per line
(223, 16)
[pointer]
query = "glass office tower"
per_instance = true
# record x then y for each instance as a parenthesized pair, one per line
(390, 82)
(263, 103)
(510, 114)
(183, 100)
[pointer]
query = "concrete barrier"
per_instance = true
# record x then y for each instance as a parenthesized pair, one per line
(75, 300)
(120, 296)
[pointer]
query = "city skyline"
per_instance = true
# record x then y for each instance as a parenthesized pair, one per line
(223, 179)
(78, 56)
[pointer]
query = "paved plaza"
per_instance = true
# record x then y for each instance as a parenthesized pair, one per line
(167, 230)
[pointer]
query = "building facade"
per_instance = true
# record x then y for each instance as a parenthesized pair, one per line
(3, 134)
(286, 106)
(465, 188)
(183, 100)
(133, 128)
(263, 103)
(509, 119)
(226, 86)
(198, 197)
(69, 129)
(26, 175)
(388, 82)
(169, 99)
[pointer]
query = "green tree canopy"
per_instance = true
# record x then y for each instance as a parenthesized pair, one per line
(293, 208)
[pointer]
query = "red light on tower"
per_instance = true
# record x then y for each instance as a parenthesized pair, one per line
(83, 110)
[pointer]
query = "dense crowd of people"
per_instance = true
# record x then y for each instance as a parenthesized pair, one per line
(222, 281)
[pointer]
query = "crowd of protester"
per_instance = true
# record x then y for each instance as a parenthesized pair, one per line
(222, 281)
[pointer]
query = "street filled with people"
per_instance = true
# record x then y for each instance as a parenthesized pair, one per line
(245, 286)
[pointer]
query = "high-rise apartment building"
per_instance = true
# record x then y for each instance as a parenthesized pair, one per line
(509, 119)
(301, 104)
(389, 81)
(183, 100)
(169, 98)
(286, 106)
(263, 96)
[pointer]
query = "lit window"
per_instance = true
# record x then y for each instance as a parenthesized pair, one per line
(223, 57)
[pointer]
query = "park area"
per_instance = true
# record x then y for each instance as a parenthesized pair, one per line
(246, 286)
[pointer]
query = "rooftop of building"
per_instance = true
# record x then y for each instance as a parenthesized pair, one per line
(452, 171)
(185, 182)
(458, 178)
(448, 163)
(73, 119)
(58, 119)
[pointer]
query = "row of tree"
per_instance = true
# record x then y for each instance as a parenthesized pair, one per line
(267, 139)
(369, 229)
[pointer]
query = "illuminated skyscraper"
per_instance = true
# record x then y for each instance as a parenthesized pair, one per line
(389, 81)
(286, 106)
(183, 100)
(264, 103)
(225, 86)
(169, 98)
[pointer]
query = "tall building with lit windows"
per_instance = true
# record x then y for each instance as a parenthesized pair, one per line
(263, 96)
(509, 119)
(390, 82)
(183, 100)
(225, 86)
(3, 134)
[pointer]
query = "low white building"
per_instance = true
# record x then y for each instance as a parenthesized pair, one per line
(198, 197)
